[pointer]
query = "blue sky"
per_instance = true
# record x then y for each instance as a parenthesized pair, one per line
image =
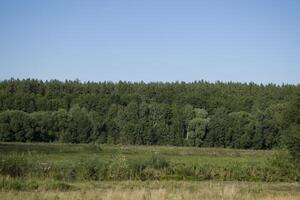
(151, 40)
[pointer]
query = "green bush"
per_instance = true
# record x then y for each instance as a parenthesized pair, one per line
(15, 165)
(157, 161)
(280, 167)
(293, 142)
(65, 170)
(92, 169)
(7, 183)
(118, 168)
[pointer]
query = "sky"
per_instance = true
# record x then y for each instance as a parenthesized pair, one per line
(151, 40)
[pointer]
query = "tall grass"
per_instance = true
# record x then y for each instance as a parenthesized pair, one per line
(160, 190)
(155, 167)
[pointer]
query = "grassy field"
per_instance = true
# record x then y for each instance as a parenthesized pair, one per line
(83, 171)
(158, 190)
(56, 152)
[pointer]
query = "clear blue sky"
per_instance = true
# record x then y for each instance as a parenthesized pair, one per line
(153, 40)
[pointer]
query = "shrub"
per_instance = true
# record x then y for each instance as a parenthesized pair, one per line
(280, 167)
(137, 167)
(7, 183)
(65, 170)
(293, 142)
(157, 161)
(151, 174)
(14, 165)
(118, 169)
(92, 169)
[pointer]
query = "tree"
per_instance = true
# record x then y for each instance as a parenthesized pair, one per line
(177, 126)
(20, 125)
(241, 131)
(80, 125)
(293, 132)
(156, 123)
(111, 125)
(6, 134)
(238, 115)
(60, 120)
(218, 128)
(128, 120)
(293, 142)
(197, 127)
(42, 125)
(98, 126)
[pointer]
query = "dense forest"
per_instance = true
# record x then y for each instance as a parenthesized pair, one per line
(203, 114)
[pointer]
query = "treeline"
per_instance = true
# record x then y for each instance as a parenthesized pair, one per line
(200, 114)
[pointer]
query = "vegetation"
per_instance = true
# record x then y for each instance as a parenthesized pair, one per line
(244, 130)
(198, 114)
(293, 131)
(60, 162)
(85, 171)
(170, 190)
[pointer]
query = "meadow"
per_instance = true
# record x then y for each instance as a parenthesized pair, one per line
(91, 171)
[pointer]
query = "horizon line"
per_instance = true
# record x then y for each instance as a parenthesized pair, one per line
(152, 82)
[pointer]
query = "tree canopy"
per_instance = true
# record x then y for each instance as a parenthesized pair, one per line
(236, 115)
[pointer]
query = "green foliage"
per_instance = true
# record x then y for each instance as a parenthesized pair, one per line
(68, 163)
(15, 165)
(157, 161)
(293, 142)
(293, 132)
(197, 127)
(218, 127)
(118, 169)
(80, 126)
(282, 168)
(8, 183)
(198, 114)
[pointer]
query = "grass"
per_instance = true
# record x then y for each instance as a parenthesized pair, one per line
(68, 162)
(158, 190)
(56, 152)
(86, 171)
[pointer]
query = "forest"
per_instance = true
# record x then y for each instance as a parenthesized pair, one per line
(200, 114)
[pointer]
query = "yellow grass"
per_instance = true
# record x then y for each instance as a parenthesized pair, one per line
(134, 190)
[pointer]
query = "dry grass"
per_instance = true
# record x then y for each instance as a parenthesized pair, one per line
(167, 190)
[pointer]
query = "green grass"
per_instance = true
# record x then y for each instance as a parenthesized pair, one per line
(56, 152)
(157, 190)
(81, 162)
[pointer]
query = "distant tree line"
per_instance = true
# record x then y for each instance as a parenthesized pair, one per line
(203, 114)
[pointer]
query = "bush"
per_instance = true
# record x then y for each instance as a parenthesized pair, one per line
(156, 167)
(92, 169)
(65, 170)
(293, 142)
(118, 169)
(151, 174)
(14, 165)
(8, 183)
(280, 167)
(157, 161)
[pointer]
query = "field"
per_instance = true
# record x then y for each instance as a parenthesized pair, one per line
(157, 190)
(82, 171)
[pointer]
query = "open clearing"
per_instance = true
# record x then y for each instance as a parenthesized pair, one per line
(164, 186)
(57, 152)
